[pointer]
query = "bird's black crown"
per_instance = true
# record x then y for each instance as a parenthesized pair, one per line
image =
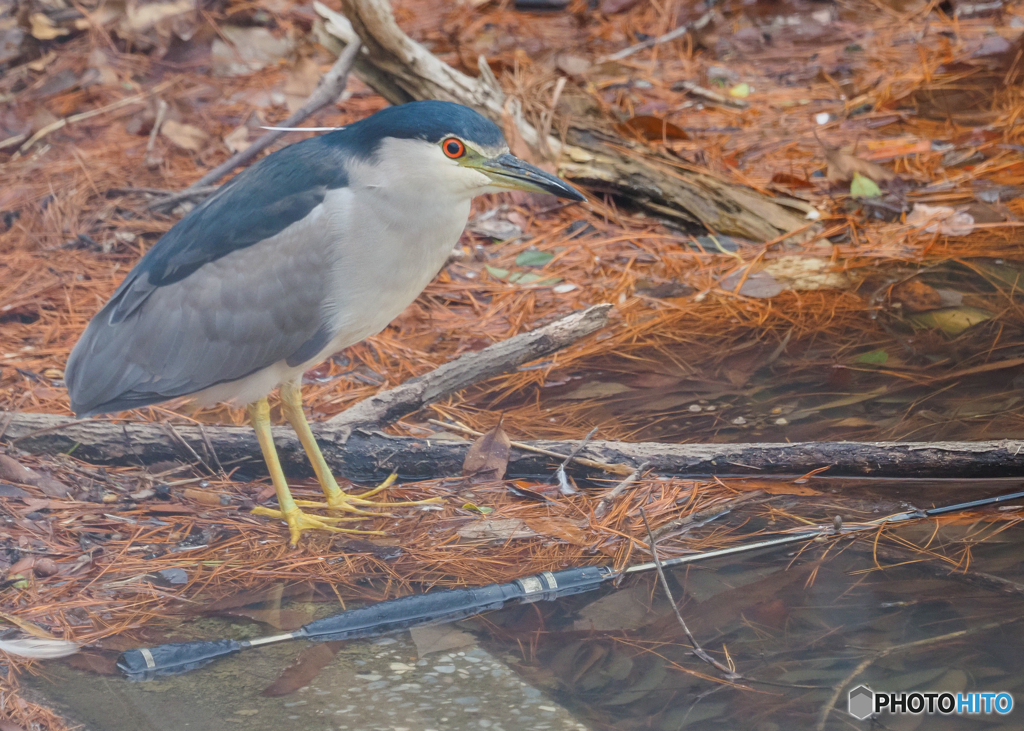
(427, 120)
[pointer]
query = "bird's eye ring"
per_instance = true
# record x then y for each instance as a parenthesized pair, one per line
(453, 148)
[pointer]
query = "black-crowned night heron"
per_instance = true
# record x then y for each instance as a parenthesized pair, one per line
(310, 250)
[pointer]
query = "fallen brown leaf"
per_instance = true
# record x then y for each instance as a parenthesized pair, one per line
(301, 81)
(941, 219)
(487, 459)
(282, 619)
(791, 181)
(561, 528)
(14, 471)
(203, 497)
(303, 669)
(842, 165)
(184, 135)
(98, 663)
(438, 638)
(653, 128)
(22, 566)
(916, 296)
(496, 529)
(238, 139)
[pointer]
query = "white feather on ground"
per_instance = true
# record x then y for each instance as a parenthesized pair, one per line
(39, 648)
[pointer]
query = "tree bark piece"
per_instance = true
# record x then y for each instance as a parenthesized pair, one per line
(404, 70)
(471, 368)
(373, 456)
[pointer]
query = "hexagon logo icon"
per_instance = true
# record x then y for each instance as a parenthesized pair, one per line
(862, 701)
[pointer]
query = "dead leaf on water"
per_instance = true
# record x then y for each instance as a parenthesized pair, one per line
(487, 459)
(303, 669)
(439, 638)
(596, 389)
(629, 608)
(95, 662)
(916, 296)
(951, 320)
(1005, 273)
(282, 619)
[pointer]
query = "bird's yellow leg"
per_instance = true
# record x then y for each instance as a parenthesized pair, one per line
(259, 415)
(337, 499)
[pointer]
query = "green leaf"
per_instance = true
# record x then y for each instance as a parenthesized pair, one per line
(534, 258)
(875, 357)
(862, 187)
(740, 91)
(532, 278)
(496, 272)
(478, 508)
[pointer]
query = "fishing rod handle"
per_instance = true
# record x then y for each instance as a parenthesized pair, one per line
(446, 606)
(549, 585)
(176, 657)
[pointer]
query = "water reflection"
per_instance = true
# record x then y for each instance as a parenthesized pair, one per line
(802, 630)
(932, 606)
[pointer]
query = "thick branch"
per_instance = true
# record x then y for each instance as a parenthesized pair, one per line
(471, 368)
(372, 456)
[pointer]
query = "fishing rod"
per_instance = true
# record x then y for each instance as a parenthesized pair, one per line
(437, 607)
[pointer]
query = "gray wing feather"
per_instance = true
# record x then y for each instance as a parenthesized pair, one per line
(232, 317)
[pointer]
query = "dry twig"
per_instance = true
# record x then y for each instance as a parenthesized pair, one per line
(327, 91)
(386, 406)
(729, 673)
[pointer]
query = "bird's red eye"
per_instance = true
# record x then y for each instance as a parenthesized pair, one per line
(453, 148)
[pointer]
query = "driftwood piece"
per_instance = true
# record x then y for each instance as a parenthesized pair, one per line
(405, 70)
(385, 407)
(373, 456)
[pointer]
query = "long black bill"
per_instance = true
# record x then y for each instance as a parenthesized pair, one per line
(508, 171)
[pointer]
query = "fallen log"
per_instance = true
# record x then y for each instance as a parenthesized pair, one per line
(372, 456)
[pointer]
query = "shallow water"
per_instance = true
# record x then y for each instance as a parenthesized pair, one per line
(802, 624)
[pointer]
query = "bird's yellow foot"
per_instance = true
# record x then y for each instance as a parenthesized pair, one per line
(299, 521)
(339, 500)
